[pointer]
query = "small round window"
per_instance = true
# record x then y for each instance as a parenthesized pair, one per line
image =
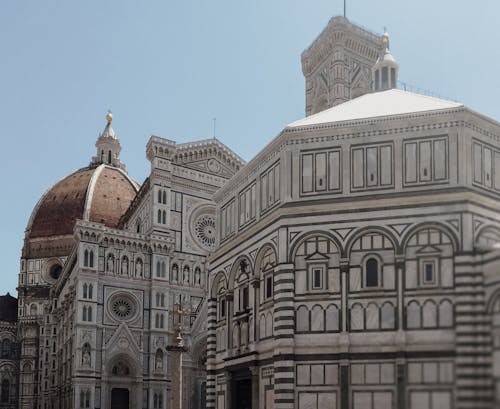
(55, 271)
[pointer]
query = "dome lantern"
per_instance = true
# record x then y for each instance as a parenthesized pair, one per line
(108, 146)
(385, 70)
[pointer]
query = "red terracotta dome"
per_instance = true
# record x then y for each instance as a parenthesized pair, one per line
(100, 194)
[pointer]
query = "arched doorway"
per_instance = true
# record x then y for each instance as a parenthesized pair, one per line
(123, 384)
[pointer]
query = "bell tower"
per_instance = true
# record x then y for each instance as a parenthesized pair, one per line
(337, 66)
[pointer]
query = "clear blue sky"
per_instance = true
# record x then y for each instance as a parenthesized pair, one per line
(169, 67)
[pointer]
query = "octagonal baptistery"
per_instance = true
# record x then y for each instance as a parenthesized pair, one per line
(357, 262)
(101, 192)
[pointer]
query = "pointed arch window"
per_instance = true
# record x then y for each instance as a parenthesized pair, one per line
(5, 395)
(85, 290)
(109, 156)
(6, 348)
(86, 258)
(90, 290)
(159, 216)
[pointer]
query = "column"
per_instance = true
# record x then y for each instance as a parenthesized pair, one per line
(229, 389)
(211, 352)
(284, 328)
(254, 371)
(473, 336)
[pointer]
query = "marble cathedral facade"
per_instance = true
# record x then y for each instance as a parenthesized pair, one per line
(105, 264)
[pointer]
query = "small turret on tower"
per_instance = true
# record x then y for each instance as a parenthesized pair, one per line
(108, 147)
(385, 70)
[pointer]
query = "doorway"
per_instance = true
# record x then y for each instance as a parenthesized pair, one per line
(242, 395)
(119, 398)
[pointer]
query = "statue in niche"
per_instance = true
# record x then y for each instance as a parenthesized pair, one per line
(111, 264)
(185, 275)
(197, 276)
(159, 361)
(86, 356)
(125, 265)
(175, 272)
(138, 268)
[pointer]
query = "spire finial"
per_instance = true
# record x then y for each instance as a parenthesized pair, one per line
(109, 116)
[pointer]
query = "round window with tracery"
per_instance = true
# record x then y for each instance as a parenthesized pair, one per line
(204, 229)
(122, 307)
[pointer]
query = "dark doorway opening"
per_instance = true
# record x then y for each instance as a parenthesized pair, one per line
(119, 398)
(242, 394)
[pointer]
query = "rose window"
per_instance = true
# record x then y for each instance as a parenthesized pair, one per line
(204, 229)
(122, 307)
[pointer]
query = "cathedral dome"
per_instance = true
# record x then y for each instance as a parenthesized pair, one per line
(100, 194)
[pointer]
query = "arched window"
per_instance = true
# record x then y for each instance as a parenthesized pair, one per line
(163, 269)
(371, 273)
(157, 321)
(6, 348)
(157, 299)
(84, 313)
(90, 290)
(164, 197)
(91, 258)
(86, 258)
(159, 216)
(158, 269)
(109, 156)
(161, 321)
(159, 195)
(163, 300)
(164, 217)
(87, 399)
(85, 290)
(82, 399)
(89, 314)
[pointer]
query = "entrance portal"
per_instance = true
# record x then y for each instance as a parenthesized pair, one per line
(119, 398)
(242, 397)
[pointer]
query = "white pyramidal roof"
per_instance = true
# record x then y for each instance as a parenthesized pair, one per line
(377, 104)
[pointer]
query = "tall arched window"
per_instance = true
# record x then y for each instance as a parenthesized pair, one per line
(158, 269)
(159, 216)
(90, 290)
(164, 217)
(84, 313)
(157, 299)
(86, 258)
(371, 273)
(159, 196)
(91, 258)
(109, 156)
(85, 290)
(6, 348)
(163, 269)
(89, 314)
(163, 300)
(164, 197)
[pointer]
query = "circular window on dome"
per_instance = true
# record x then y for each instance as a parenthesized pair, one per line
(122, 307)
(55, 271)
(204, 230)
